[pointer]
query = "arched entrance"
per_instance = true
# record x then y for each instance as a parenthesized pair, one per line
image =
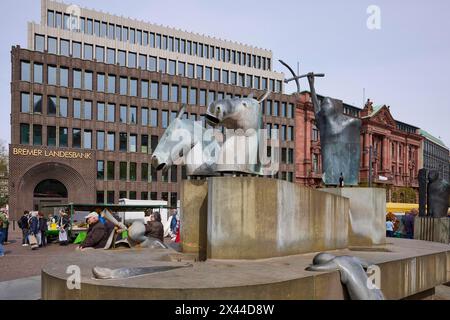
(49, 192)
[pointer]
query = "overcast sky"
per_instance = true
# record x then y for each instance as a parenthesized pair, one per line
(405, 64)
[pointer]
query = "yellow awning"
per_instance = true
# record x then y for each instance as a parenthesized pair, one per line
(400, 207)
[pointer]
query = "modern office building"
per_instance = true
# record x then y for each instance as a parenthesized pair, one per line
(435, 155)
(89, 104)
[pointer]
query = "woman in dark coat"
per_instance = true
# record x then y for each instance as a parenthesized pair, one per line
(154, 228)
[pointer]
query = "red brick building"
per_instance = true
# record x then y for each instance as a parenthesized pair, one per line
(395, 148)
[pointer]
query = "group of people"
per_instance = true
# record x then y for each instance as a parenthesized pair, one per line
(34, 226)
(404, 226)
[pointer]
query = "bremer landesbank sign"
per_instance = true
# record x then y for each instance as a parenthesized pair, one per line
(27, 152)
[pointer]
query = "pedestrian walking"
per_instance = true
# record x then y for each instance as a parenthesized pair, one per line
(6, 227)
(25, 227)
(3, 226)
(33, 236)
(63, 227)
(43, 227)
(389, 228)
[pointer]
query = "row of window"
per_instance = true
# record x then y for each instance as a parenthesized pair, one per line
(82, 109)
(82, 138)
(152, 63)
(155, 40)
(110, 83)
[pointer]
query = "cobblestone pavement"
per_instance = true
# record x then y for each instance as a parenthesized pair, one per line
(20, 262)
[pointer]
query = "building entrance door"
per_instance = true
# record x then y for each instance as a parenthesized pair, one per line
(49, 192)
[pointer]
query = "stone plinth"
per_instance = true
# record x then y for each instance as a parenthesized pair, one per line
(254, 218)
(367, 216)
(193, 217)
(432, 229)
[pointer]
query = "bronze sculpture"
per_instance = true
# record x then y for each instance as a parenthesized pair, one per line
(434, 192)
(352, 272)
(339, 139)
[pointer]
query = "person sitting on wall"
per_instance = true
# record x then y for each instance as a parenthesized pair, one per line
(96, 237)
(154, 228)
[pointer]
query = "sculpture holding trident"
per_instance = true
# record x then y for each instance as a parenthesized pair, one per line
(339, 136)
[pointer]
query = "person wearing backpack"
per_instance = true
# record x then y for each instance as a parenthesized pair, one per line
(23, 224)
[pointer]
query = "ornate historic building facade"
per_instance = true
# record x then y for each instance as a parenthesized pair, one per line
(389, 149)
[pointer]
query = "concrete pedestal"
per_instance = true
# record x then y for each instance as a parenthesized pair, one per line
(255, 218)
(367, 216)
(432, 229)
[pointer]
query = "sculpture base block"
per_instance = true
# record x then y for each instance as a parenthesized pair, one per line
(367, 217)
(432, 229)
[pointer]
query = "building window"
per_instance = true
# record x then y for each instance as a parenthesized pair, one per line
(100, 82)
(63, 137)
(111, 84)
(174, 93)
(52, 46)
(154, 118)
(202, 97)
(64, 77)
(200, 72)
(133, 87)
(37, 135)
(172, 64)
(111, 56)
(190, 70)
(100, 111)
(133, 143)
(100, 140)
(100, 196)
(87, 110)
(24, 102)
(193, 96)
(132, 195)
(165, 92)
(123, 114)
(164, 119)
(121, 58)
(51, 136)
(76, 49)
(100, 169)
(37, 103)
(181, 68)
(51, 106)
(144, 88)
(290, 112)
(88, 54)
(110, 142)
(123, 86)
(25, 71)
(24, 133)
(123, 171)
(256, 82)
(162, 65)
(131, 60)
(77, 79)
(211, 95)
(87, 139)
(152, 63)
(122, 194)
(173, 173)
(144, 116)
(225, 76)
(76, 138)
(133, 115)
(233, 78)
(63, 107)
(123, 141)
(77, 109)
(144, 172)
(88, 80)
(132, 174)
(144, 143)
(154, 90)
(110, 170)
(154, 174)
(275, 108)
(39, 43)
(37, 73)
(111, 112)
(64, 47)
